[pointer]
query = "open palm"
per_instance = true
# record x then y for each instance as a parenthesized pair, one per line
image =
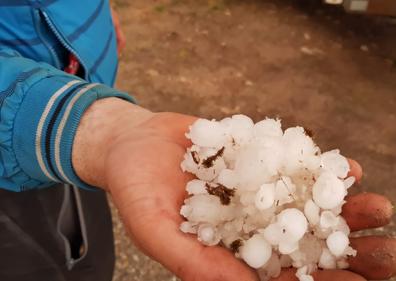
(148, 187)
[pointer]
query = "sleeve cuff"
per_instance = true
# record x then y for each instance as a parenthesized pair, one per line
(46, 124)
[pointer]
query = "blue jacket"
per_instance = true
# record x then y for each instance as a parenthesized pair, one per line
(38, 29)
(40, 105)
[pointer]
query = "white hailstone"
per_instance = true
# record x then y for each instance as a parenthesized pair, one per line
(256, 251)
(265, 196)
(207, 235)
(268, 128)
(334, 162)
(207, 133)
(241, 129)
(188, 227)
(337, 242)
(293, 224)
(228, 178)
(311, 211)
(328, 220)
(327, 260)
(196, 187)
(284, 190)
(349, 181)
(328, 191)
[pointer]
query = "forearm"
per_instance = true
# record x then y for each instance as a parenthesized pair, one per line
(40, 111)
(101, 126)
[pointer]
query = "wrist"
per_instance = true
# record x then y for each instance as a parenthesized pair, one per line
(104, 122)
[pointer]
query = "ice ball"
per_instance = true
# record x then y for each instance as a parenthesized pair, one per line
(256, 251)
(337, 242)
(328, 191)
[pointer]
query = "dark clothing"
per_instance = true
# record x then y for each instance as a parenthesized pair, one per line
(35, 226)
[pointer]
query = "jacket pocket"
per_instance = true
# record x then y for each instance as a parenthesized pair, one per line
(71, 227)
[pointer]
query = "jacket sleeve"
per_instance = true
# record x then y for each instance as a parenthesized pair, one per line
(40, 109)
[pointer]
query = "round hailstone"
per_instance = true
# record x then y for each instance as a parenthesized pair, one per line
(196, 187)
(265, 196)
(328, 191)
(327, 260)
(256, 251)
(207, 235)
(293, 225)
(207, 133)
(268, 128)
(337, 242)
(311, 211)
(334, 162)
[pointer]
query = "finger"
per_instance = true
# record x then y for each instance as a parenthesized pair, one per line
(321, 275)
(376, 257)
(355, 170)
(367, 210)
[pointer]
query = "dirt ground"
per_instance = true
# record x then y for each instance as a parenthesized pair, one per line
(306, 63)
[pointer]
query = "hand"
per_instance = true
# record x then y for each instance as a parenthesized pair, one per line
(121, 40)
(136, 157)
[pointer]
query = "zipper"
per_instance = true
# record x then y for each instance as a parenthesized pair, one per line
(47, 45)
(64, 42)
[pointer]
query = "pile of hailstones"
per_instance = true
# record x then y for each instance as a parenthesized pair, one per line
(268, 195)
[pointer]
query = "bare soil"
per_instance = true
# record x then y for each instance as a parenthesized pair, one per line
(309, 64)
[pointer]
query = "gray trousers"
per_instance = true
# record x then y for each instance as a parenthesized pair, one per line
(60, 233)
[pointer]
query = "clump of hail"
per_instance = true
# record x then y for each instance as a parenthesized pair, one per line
(268, 195)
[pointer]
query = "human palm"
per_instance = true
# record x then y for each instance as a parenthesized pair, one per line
(148, 188)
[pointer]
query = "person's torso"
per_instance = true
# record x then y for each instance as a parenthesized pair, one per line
(50, 30)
